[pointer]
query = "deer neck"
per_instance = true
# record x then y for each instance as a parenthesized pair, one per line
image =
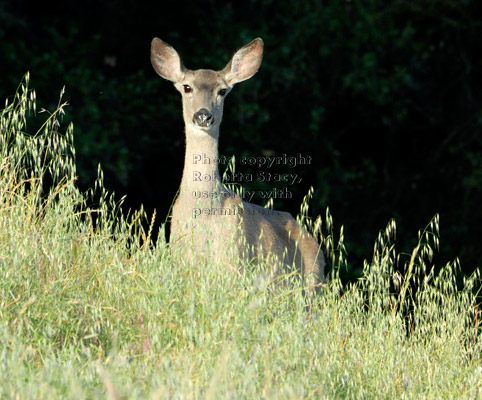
(201, 173)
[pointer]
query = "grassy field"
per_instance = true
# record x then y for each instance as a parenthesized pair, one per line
(91, 307)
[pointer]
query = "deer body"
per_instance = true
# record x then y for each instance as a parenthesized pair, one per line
(209, 220)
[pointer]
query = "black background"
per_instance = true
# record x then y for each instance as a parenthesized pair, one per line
(385, 96)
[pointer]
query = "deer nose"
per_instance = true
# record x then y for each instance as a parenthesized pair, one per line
(203, 118)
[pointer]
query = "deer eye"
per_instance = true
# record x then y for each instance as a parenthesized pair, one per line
(187, 89)
(222, 92)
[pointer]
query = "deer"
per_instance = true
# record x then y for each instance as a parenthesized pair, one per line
(208, 219)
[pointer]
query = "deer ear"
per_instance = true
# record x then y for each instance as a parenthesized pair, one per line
(166, 61)
(245, 62)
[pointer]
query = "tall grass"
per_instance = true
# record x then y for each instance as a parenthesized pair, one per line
(91, 307)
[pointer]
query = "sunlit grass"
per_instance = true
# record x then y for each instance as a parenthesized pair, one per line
(91, 307)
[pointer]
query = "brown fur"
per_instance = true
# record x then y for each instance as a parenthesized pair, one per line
(224, 227)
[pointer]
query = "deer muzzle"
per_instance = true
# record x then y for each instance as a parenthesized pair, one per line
(203, 118)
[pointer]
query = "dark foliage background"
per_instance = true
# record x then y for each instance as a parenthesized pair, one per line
(385, 95)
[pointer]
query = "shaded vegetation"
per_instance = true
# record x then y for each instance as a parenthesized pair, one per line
(384, 95)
